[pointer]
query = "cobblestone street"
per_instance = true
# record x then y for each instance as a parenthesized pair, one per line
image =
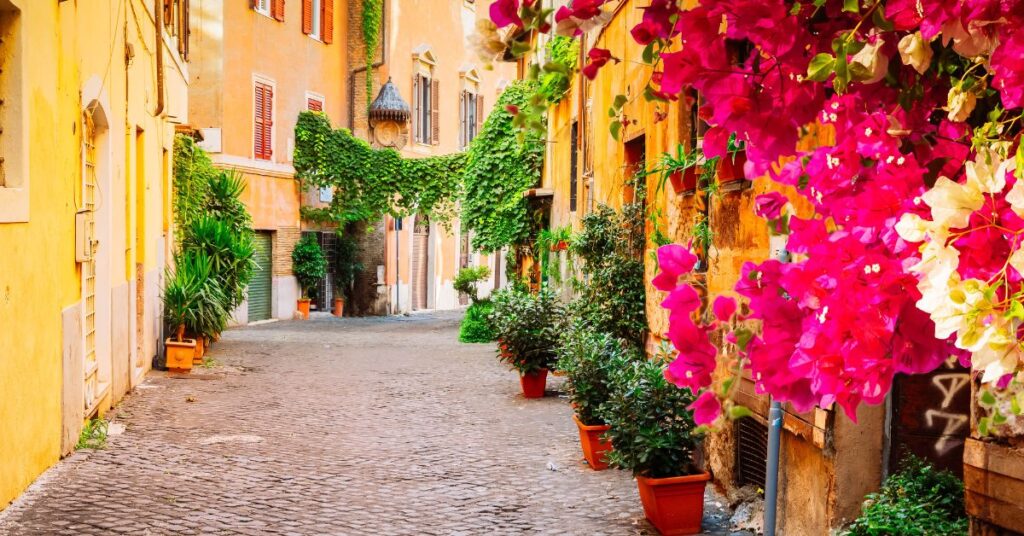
(355, 426)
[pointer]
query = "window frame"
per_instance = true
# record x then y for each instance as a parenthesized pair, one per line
(263, 7)
(317, 17)
(14, 146)
(311, 96)
(258, 80)
(423, 134)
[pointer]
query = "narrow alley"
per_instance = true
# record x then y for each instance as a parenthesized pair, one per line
(356, 426)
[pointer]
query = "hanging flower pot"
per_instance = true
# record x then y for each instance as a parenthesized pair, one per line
(304, 308)
(674, 505)
(730, 167)
(339, 306)
(533, 383)
(594, 448)
(180, 354)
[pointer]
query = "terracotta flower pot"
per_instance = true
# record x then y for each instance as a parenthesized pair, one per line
(731, 168)
(674, 505)
(594, 448)
(533, 383)
(562, 245)
(200, 351)
(339, 306)
(304, 308)
(180, 354)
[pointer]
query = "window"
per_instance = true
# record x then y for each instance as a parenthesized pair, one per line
(314, 102)
(471, 117)
(14, 201)
(263, 124)
(426, 120)
(262, 6)
(318, 19)
(574, 143)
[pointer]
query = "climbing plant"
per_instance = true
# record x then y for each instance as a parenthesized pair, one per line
(193, 174)
(373, 15)
(562, 54)
(503, 163)
(368, 182)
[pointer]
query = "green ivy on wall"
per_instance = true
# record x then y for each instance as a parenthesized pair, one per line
(368, 182)
(503, 163)
(562, 55)
(373, 16)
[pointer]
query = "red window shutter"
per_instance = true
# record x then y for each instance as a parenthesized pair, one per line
(415, 107)
(268, 121)
(307, 16)
(315, 105)
(257, 132)
(277, 9)
(435, 113)
(264, 122)
(327, 20)
(479, 113)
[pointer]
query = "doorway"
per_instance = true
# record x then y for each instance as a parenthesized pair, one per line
(420, 261)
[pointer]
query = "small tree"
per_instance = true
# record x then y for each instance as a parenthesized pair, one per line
(467, 280)
(346, 262)
(308, 264)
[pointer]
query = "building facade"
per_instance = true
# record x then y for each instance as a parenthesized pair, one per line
(257, 65)
(92, 92)
(449, 93)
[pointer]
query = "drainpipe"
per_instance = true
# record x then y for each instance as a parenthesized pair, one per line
(158, 17)
(771, 484)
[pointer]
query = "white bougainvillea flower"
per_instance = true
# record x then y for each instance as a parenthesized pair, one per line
(915, 52)
(914, 228)
(952, 203)
(960, 104)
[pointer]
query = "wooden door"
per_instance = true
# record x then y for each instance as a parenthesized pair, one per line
(420, 259)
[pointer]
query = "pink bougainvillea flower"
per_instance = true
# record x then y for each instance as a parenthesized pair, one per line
(716, 142)
(770, 205)
(724, 307)
(674, 261)
(682, 301)
(1008, 70)
(506, 13)
(597, 57)
(706, 408)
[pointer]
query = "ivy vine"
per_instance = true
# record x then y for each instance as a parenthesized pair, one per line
(562, 53)
(503, 163)
(373, 16)
(368, 182)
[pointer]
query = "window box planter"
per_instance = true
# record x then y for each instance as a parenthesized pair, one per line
(994, 483)
(594, 448)
(731, 169)
(533, 383)
(180, 354)
(303, 306)
(685, 181)
(674, 505)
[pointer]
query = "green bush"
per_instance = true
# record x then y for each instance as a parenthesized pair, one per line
(589, 359)
(230, 253)
(468, 278)
(476, 325)
(919, 500)
(526, 327)
(193, 296)
(651, 429)
(346, 262)
(562, 54)
(308, 264)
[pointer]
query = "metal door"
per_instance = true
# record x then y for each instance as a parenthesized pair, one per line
(259, 292)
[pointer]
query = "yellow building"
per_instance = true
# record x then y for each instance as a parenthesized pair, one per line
(92, 91)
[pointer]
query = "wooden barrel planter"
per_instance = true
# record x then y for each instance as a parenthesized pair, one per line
(994, 487)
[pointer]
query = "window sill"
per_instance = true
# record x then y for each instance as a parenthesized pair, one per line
(265, 14)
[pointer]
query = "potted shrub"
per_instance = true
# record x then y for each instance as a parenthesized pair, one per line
(309, 267)
(588, 360)
(346, 268)
(182, 293)
(654, 437)
(525, 326)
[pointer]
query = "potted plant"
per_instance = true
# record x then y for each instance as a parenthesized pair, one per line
(589, 359)
(525, 326)
(309, 267)
(346, 268)
(655, 438)
(182, 293)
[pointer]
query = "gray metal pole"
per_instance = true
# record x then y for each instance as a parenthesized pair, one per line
(771, 475)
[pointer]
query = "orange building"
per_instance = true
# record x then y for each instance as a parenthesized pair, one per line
(257, 64)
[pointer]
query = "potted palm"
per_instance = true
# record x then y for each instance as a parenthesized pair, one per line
(309, 267)
(346, 268)
(655, 438)
(589, 359)
(183, 291)
(525, 326)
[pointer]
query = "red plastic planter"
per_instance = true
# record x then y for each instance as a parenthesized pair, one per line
(674, 505)
(594, 448)
(533, 383)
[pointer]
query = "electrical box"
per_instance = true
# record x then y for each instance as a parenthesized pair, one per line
(84, 239)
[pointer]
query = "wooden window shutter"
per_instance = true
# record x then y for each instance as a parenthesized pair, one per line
(277, 9)
(327, 21)
(307, 16)
(257, 131)
(268, 121)
(479, 114)
(415, 107)
(435, 113)
(463, 128)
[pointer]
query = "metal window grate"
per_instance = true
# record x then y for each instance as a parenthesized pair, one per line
(751, 452)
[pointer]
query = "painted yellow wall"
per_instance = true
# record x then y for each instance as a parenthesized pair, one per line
(70, 54)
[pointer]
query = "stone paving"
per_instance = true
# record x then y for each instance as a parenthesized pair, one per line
(342, 427)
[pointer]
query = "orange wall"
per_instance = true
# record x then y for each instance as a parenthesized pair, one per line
(272, 201)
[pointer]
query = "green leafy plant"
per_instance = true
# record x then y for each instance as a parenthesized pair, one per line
(193, 173)
(373, 16)
(562, 54)
(476, 325)
(308, 264)
(548, 245)
(502, 164)
(652, 429)
(589, 359)
(230, 253)
(94, 435)
(526, 327)
(193, 299)
(611, 296)
(918, 500)
(346, 262)
(468, 278)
